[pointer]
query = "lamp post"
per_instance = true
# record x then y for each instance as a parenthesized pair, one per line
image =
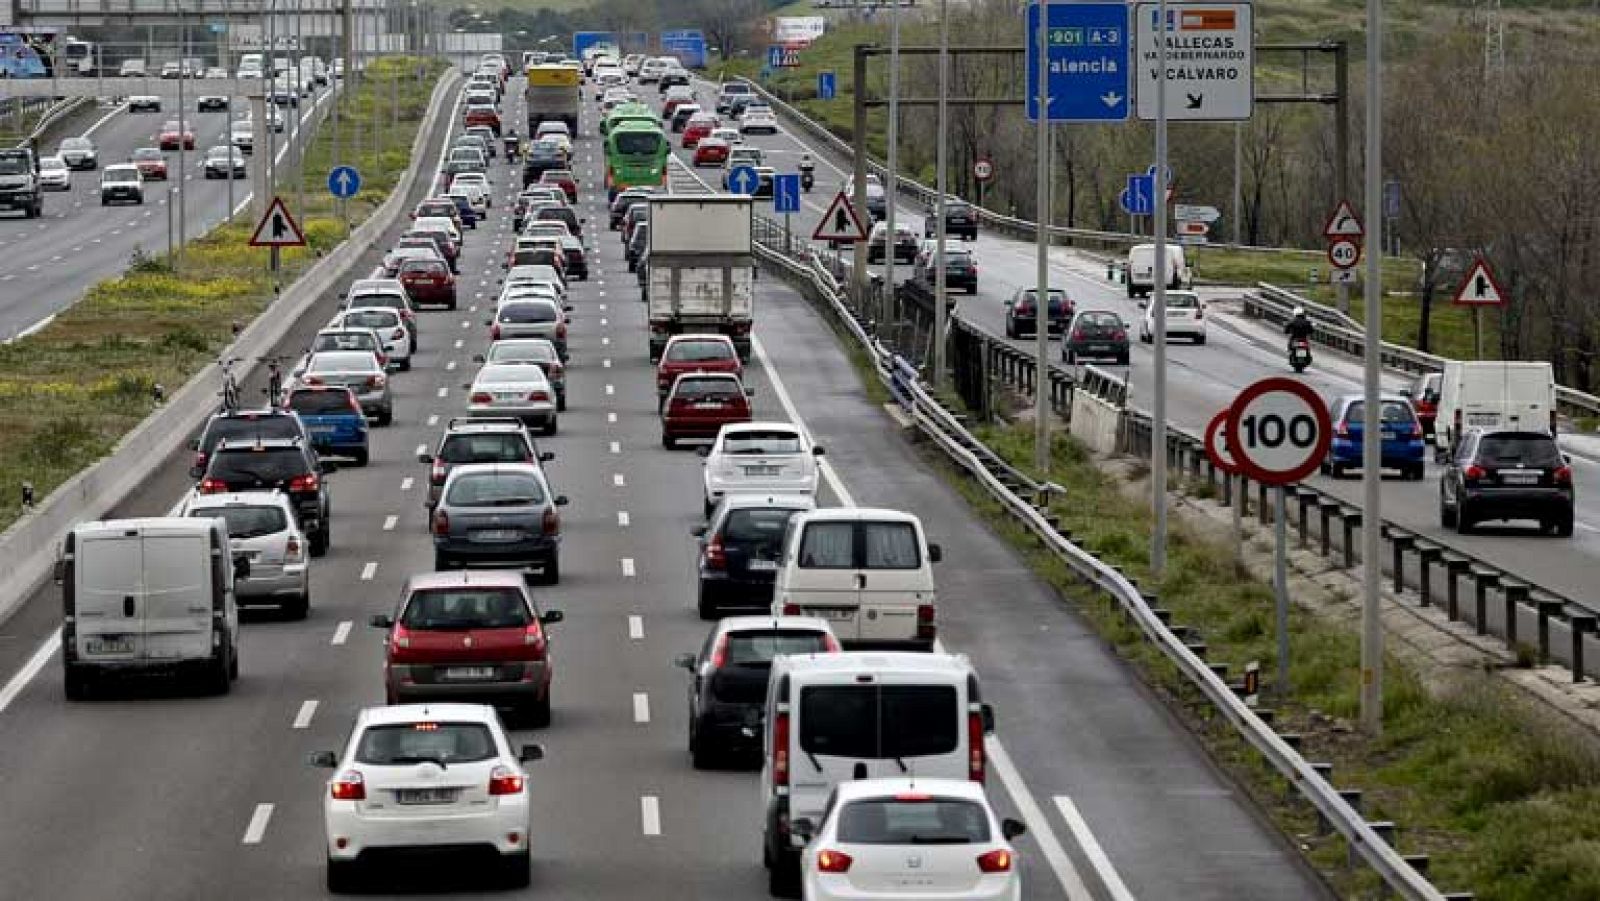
(941, 320)
(1372, 499)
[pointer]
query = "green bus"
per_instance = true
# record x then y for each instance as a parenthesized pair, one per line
(636, 156)
(628, 112)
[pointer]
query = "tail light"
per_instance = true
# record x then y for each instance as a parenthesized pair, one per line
(720, 655)
(398, 334)
(291, 550)
(791, 609)
(1077, 334)
(438, 472)
(533, 636)
(831, 861)
(441, 523)
(213, 486)
(780, 749)
(313, 380)
(975, 753)
(1563, 475)
(504, 780)
(401, 637)
(200, 460)
(539, 396)
(374, 382)
(1200, 312)
(481, 397)
(926, 626)
(1119, 335)
(306, 482)
(561, 330)
(1473, 472)
(557, 370)
(350, 786)
(716, 557)
(831, 644)
(1343, 429)
(494, 332)
(996, 861)
(552, 522)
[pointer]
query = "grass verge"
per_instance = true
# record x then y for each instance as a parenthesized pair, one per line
(1505, 804)
(156, 326)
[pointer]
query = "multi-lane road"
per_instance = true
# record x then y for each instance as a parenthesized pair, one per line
(156, 794)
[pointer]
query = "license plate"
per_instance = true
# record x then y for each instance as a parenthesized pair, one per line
(833, 613)
(323, 430)
(111, 644)
(426, 795)
(469, 673)
(1483, 419)
(496, 535)
(761, 470)
(506, 395)
(1521, 478)
(763, 566)
(708, 405)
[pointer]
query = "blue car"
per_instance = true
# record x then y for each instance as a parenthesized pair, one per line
(333, 416)
(469, 216)
(1403, 445)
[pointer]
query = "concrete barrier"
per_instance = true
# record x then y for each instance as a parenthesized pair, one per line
(28, 547)
(1095, 422)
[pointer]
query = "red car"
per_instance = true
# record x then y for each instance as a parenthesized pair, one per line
(671, 106)
(429, 282)
(695, 353)
(698, 128)
(172, 134)
(396, 258)
(483, 115)
(152, 164)
(563, 179)
(700, 404)
(710, 152)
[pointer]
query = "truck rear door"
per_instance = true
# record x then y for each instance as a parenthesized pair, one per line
(109, 597)
(177, 595)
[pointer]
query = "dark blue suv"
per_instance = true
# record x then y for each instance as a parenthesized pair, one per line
(333, 416)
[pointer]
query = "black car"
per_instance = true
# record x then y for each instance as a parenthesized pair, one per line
(739, 550)
(577, 258)
(541, 158)
(481, 440)
(960, 270)
(905, 243)
(213, 103)
(628, 198)
(243, 425)
(1504, 475)
(960, 220)
(557, 212)
(1096, 333)
(1022, 314)
(288, 465)
(641, 240)
(681, 116)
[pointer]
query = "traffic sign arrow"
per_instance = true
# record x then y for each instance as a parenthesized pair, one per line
(743, 180)
(277, 228)
(1479, 288)
(1111, 99)
(840, 222)
(1344, 223)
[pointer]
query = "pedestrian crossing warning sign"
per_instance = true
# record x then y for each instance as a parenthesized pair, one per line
(840, 222)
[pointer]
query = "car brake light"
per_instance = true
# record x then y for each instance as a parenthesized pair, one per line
(398, 334)
(291, 550)
(716, 558)
(926, 626)
(481, 397)
(533, 635)
(975, 754)
(350, 786)
(1473, 472)
(539, 396)
(1199, 312)
(503, 780)
(374, 382)
(719, 656)
(1343, 429)
(780, 749)
(494, 332)
(561, 330)
(1077, 334)
(791, 609)
(556, 369)
(1119, 335)
(213, 486)
(996, 861)
(1563, 475)
(831, 861)
(552, 522)
(441, 523)
(438, 472)
(306, 482)
(313, 380)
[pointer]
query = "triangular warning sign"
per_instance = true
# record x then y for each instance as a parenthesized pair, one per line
(277, 228)
(1344, 223)
(840, 222)
(1479, 288)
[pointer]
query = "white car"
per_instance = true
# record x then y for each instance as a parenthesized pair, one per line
(766, 457)
(731, 135)
(1186, 318)
(54, 175)
(132, 68)
(439, 223)
(262, 525)
(758, 119)
(391, 329)
(513, 389)
(910, 838)
(476, 186)
(417, 777)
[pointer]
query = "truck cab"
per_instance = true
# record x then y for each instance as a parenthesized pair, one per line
(19, 182)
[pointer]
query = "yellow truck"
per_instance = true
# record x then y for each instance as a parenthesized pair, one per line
(552, 95)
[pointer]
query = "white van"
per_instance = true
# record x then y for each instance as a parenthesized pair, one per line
(868, 572)
(151, 594)
(1494, 394)
(1141, 269)
(832, 718)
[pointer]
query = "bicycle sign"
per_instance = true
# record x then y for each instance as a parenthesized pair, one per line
(1278, 431)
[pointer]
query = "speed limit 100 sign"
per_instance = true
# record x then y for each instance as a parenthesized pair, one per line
(1278, 431)
(1344, 253)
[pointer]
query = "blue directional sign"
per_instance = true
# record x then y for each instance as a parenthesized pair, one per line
(344, 181)
(786, 193)
(744, 180)
(1138, 198)
(1088, 48)
(827, 86)
(774, 57)
(688, 45)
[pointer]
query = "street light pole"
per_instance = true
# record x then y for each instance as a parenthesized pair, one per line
(1371, 512)
(1041, 299)
(183, 131)
(941, 320)
(1158, 436)
(892, 189)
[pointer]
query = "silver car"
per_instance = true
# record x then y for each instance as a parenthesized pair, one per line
(534, 352)
(262, 527)
(513, 389)
(498, 514)
(387, 323)
(78, 153)
(54, 174)
(357, 370)
(535, 318)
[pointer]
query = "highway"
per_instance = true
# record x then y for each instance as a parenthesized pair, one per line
(46, 265)
(1203, 379)
(184, 797)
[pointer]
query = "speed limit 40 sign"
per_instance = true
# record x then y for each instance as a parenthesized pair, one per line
(1278, 431)
(1344, 253)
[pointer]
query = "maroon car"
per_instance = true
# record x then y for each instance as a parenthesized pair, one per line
(452, 251)
(695, 353)
(564, 179)
(429, 282)
(700, 404)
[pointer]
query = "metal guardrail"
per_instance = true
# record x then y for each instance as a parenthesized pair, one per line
(57, 109)
(1371, 842)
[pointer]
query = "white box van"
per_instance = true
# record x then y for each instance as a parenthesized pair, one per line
(148, 594)
(1141, 269)
(1494, 394)
(868, 572)
(832, 718)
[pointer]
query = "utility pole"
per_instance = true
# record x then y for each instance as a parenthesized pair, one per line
(941, 320)
(863, 278)
(892, 188)
(1041, 300)
(1158, 297)
(183, 132)
(1372, 497)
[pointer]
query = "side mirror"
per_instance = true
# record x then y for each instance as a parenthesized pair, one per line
(343, 294)
(530, 753)
(684, 661)
(803, 829)
(935, 553)
(704, 451)
(1012, 828)
(196, 472)
(477, 358)
(1143, 303)
(488, 322)
(466, 386)
(583, 221)
(566, 308)
(324, 759)
(60, 571)
(1405, 392)
(986, 714)
(561, 500)
(194, 444)
(546, 456)
(381, 621)
(698, 531)
(425, 459)
(328, 466)
(819, 451)
(749, 392)
(551, 617)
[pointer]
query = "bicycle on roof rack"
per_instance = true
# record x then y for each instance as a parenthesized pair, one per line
(274, 389)
(230, 384)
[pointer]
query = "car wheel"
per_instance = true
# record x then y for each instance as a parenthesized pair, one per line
(668, 442)
(707, 610)
(319, 542)
(78, 683)
(214, 679)
(537, 713)
(386, 416)
(405, 365)
(561, 403)
(233, 665)
(1463, 518)
(1069, 357)
(1122, 359)
(783, 878)
(700, 756)
(1336, 469)
(344, 876)
(1564, 526)
(360, 456)
(441, 561)
(298, 608)
(1199, 339)
(552, 426)
(551, 574)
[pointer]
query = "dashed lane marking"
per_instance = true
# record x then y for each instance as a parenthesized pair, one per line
(302, 720)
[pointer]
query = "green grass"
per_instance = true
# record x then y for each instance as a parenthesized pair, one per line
(1506, 805)
(155, 326)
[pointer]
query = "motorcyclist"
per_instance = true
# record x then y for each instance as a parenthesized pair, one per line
(1298, 328)
(513, 144)
(807, 170)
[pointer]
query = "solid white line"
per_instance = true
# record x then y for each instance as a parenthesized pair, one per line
(405, 483)
(611, 389)
(641, 707)
(1091, 849)
(41, 656)
(103, 120)
(823, 466)
(1038, 827)
(627, 567)
(622, 519)
(389, 521)
(636, 628)
(618, 481)
(611, 417)
(650, 814)
(616, 447)
(368, 571)
(258, 824)
(308, 709)
(341, 633)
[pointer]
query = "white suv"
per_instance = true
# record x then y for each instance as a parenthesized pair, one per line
(261, 527)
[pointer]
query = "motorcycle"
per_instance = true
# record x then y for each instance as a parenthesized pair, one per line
(513, 144)
(807, 178)
(1300, 354)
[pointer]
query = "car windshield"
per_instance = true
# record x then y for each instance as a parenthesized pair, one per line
(1182, 300)
(119, 175)
(373, 318)
(321, 402)
(1524, 450)
(13, 164)
(528, 312)
(495, 489)
(264, 428)
(491, 447)
(913, 820)
(246, 522)
(638, 143)
(1106, 320)
(1393, 411)
(148, 153)
(76, 144)
(877, 722)
(758, 531)
(519, 352)
(757, 648)
(509, 374)
(267, 466)
(423, 267)
(699, 351)
(766, 441)
(384, 301)
(406, 744)
(706, 389)
(343, 361)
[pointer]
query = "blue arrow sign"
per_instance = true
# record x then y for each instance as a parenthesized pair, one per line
(744, 180)
(1088, 51)
(1137, 199)
(827, 86)
(786, 193)
(344, 181)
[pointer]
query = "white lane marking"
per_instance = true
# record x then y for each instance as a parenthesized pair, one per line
(405, 483)
(1038, 827)
(103, 120)
(389, 522)
(460, 342)
(605, 342)
(41, 657)
(444, 390)
(302, 720)
(450, 366)
(650, 814)
(635, 628)
(616, 447)
(433, 420)
(823, 466)
(603, 321)
(627, 567)
(618, 481)
(611, 417)
(611, 389)
(602, 308)
(606, 364)
(622, 519)
(1091, 849)
(421, 449)
(258, 824)
(641, 708)
(466, 324)
(341, 633)
(368, 571)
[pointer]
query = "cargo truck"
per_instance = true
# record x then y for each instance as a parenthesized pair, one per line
(19, 182)
(701, 270)
(552, 96)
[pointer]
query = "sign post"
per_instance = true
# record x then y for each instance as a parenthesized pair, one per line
(1344, 232)
(786, 200)
(983, 173)
(277, 229)
(1478, 290)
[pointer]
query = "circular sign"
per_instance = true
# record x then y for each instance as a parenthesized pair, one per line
(983, 169)
(1278, 431)
(1216, 448)
(1344, 253)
